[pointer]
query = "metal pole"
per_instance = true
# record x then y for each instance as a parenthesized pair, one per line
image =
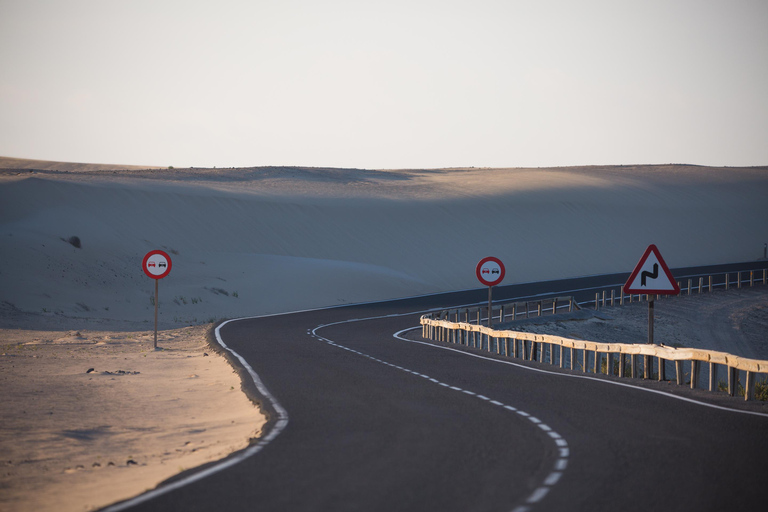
(490, 308)
(156, 302)
(650, 321)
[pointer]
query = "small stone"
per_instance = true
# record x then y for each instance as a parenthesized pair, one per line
(89, 370)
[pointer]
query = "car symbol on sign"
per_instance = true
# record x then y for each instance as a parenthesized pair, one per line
(486, 271)
(162, 264)
(495, 271)
(151, 264)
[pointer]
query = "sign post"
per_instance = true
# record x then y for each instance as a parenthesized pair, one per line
(157, 265)
(490, 271)
(652, 277)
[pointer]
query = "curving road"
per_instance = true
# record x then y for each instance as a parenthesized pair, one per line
(364, 417)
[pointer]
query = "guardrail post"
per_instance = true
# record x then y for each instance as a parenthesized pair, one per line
(689, 287)
(609, 364)
(738, 279)
(621, 302)
(597, 300)
(726, 281)
(701, 281)
(679, 372)
(647, 367)
(695, 370)
(622, 358)
(613, 297)
(527, 312)
(562, 354)
(573, 359)
(710, 284)
(662, 369)
(765, 274)
(597, 359)
(749, 389)
(751, 278)
(712, 376)
(538, 308)
(731, 381)
(554, 306)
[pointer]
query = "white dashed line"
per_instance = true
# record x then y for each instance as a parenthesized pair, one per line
(560, 464)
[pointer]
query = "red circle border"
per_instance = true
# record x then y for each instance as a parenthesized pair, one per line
(480, 277)
(150, 254)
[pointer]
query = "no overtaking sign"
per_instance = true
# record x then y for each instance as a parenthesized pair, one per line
(157, 264)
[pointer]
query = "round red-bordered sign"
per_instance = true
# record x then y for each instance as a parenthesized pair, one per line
(490, 271)
(156, 264)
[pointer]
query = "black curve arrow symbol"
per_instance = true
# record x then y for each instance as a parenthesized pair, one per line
(652, 275)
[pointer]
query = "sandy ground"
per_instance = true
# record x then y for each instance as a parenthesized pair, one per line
(733, 321)
(93, 417)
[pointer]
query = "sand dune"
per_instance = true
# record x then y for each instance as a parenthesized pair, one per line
(267, 240)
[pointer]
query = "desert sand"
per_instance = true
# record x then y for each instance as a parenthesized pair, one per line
(267, 240)
(93, 417)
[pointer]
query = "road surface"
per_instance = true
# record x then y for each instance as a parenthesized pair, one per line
(363, 420)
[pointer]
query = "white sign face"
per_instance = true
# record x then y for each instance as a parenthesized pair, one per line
(490, 270)
(157, 264)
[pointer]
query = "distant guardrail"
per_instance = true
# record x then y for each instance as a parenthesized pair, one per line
(624, 360)
(612, 296)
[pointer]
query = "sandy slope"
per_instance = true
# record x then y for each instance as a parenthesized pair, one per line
(256, 241)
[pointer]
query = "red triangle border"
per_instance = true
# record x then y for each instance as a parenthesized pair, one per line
(651, 249)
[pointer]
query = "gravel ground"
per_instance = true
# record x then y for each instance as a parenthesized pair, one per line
(733, 321)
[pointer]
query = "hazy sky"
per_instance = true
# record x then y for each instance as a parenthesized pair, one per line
(385, 84)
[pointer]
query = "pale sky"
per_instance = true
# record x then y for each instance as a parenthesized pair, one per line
(385, 84)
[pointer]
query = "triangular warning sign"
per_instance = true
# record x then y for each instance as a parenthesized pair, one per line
(652, 275)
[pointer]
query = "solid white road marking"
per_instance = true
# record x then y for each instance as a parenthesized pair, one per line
(280, 424)
(574, 376)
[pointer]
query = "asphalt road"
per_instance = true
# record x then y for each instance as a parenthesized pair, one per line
(361, 420)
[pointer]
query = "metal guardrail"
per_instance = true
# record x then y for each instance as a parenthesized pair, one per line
(695, 284)
(624, 360)
(515, 310)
